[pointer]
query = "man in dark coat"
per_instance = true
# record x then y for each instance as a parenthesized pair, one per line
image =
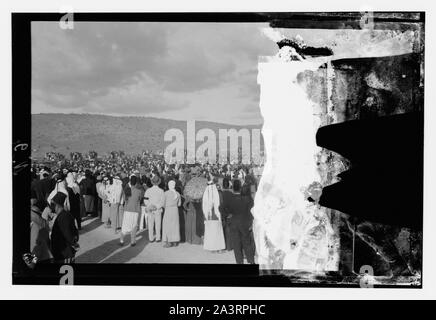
(64, 236)
(124, 179)
(75, 206)
(237, 208)
(89, 192)
(226, 193)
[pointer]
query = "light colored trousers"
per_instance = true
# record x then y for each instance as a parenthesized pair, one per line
(155, 222)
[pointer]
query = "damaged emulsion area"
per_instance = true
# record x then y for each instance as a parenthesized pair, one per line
(342, 185)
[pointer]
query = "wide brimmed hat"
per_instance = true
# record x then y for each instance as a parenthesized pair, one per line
(195, 188)
(59, 198)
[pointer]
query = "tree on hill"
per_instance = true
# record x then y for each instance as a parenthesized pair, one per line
(76, 156)
(92, 155)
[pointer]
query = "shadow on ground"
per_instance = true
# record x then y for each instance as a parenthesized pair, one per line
(90, 226)
(102, 253)
(129, 252)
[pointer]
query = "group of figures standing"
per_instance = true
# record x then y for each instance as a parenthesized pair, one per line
(189, 205)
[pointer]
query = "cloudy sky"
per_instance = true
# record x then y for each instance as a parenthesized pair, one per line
(201, 71)
(181, 71)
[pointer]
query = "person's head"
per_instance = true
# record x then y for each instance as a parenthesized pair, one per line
(58, 202)
(195, 171)
(236, 184)
(74, 174)
(136, 173)
(155, 180)
(209, 176)
(70, 178)
(226, 183)
(60, 178)
(88, 173)
(250, 180)
(45, 172)
(171, 185)
(133, 180)
(143, 179)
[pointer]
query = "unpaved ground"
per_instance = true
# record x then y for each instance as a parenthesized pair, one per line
(101, 245)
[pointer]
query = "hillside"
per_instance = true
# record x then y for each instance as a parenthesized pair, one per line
(67, 133)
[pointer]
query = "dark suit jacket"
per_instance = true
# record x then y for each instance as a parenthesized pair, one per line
(238, 206)
(224, 198)
(64, 235)
(74, 202)
(87, 187)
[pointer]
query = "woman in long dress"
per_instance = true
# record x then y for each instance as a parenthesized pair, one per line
(195, 187)
(170, 223)
(191, 221)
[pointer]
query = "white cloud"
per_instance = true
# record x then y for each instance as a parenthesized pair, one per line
(176, 70)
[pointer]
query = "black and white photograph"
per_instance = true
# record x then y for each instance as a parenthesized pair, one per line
(281, 149)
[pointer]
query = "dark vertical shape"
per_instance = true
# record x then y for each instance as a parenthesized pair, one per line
(21, 136)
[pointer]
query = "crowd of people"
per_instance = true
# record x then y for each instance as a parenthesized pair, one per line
(200, 204)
